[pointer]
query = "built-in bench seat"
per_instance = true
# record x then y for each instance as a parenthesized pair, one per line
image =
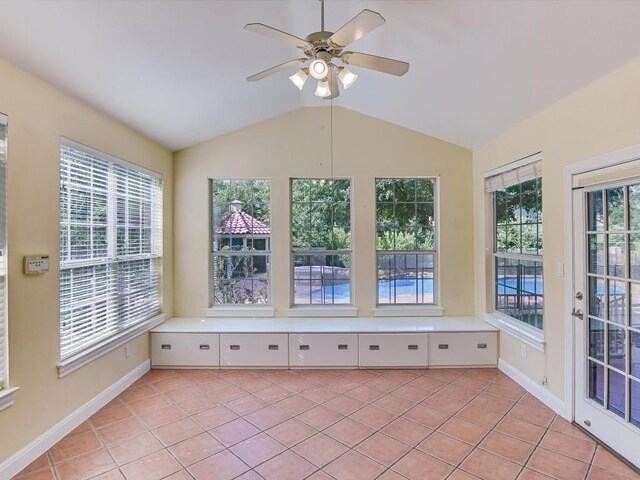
(386, 342)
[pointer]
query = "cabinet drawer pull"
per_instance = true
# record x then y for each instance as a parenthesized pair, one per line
(343, 346)
(273, 347)
(204, 347)
(234, 347)
(374, 347)
(443, 346)
(166, 346)
(304, 347)
(482, 345)
(413, 347)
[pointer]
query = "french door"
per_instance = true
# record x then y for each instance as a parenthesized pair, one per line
(606, 213)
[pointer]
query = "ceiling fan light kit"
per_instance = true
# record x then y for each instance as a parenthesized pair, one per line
(323, 47)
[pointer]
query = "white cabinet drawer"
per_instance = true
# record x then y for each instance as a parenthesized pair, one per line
(254, 350)
(393, 350)
(184, 350)
(463, 349)
(323, 349)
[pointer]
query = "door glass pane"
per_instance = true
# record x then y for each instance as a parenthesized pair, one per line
(615, 208)
(634, 254)
(596, 339)
(617, 302)
(596, 297)
(635, 403)
(616, 255)
(596, 254)
(596, 213)
(634, 302)
(596, 382)
(617, 347)
(635, 354)
(616, 393)
(634, 207)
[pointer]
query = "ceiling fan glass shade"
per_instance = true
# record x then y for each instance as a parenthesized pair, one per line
(347, 77)
(318, 69)
(299, 78)
(323, 90)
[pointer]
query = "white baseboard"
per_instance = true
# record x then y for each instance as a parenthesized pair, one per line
(542, 394)
(15, 463)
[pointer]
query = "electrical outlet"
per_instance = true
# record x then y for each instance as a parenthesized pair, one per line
(523, 350)
(545, 381)
(127, 350)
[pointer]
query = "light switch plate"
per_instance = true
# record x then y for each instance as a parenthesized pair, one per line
(36, 264)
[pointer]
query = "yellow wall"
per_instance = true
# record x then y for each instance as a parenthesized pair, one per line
(601, 118)
(38, 116)
(297, 144)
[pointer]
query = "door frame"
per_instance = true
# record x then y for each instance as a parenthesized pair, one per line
(614, 161)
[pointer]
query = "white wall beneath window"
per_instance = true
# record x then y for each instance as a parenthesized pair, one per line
(297, 144)
(601, 118)
(38, 116)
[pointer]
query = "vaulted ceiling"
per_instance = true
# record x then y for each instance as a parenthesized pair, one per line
(175, 70)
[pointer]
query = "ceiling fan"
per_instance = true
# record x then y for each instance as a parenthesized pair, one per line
(323, 47)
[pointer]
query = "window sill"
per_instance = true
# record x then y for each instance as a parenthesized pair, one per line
(80, 360)
(239, 311)
(408, 311)
(324, 311)
(7, 397)
(529, 335)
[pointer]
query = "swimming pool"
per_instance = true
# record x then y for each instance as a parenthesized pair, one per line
(386, 290)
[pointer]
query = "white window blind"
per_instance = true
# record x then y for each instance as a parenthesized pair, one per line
(110, 247)
(4, 353)
(519, 174)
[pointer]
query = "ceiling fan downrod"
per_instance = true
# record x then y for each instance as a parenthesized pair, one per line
(322, 15)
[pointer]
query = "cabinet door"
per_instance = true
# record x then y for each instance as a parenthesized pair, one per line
(184, 350)
(323, 349)
(463, 349)
(254, 350)
(393, 350)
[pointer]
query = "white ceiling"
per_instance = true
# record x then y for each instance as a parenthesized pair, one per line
(175, 70)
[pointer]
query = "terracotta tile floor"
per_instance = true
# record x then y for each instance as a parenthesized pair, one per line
(326, 424)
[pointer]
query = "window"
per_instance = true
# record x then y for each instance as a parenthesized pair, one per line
(517, 234)
(110, 247)
(4, 353)
(406, 241)
(240, 242)
(321, 241)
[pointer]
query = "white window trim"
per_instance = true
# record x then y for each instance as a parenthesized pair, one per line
(7, 397)
(322, 311)
(418, 309)
(408, 311)
(239, 311)
(529, 335)
(230, 309)
(81, 359)
(326, 309)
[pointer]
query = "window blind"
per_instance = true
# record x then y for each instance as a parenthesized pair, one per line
(110, 247)
(4, 353)
(514, 176)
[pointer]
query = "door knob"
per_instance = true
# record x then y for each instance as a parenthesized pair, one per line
(577, 313)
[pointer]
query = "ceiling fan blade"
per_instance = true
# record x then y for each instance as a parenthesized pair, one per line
(381, 64)
(276, 69)
(356, 28)
(278, 35)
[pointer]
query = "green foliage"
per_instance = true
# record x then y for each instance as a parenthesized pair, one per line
(254, 195)
(321, 214)
(518, 212)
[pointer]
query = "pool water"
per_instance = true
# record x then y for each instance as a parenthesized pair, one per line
(386, 289)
